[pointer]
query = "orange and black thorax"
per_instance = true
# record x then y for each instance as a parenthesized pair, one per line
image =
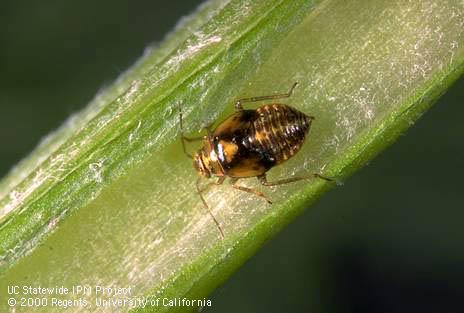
(250, 142)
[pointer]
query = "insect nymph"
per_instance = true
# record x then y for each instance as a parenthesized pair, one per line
(249, 143)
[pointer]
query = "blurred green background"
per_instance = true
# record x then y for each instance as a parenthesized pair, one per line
(389, 241)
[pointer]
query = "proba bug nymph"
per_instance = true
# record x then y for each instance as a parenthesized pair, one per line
(249, 143)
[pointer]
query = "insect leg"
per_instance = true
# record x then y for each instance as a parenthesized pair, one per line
(264, 181)
(185, 139)
(217, 183)
(239, 102)
(209, 128)
(199, 190)
(250, 190)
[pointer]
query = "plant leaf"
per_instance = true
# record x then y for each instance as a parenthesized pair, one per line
(366, 70)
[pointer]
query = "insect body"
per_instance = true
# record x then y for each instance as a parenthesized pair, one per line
(249, 143)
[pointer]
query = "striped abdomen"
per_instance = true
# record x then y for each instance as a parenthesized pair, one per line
(279, 130)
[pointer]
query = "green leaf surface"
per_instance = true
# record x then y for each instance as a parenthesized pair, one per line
(110, 199)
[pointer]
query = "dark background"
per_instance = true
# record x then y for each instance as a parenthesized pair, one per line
(389, 241)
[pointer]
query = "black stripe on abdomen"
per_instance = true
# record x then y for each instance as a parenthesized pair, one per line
(279, 130)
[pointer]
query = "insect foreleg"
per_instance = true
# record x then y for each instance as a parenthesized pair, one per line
(183, 138)
(192, 139)
(197, 184)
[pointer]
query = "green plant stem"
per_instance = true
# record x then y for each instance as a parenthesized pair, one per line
(367, 70)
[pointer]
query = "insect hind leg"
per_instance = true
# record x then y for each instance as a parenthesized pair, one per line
(263, 179)
(239, 102)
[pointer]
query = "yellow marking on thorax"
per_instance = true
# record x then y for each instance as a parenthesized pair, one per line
(228, 149)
